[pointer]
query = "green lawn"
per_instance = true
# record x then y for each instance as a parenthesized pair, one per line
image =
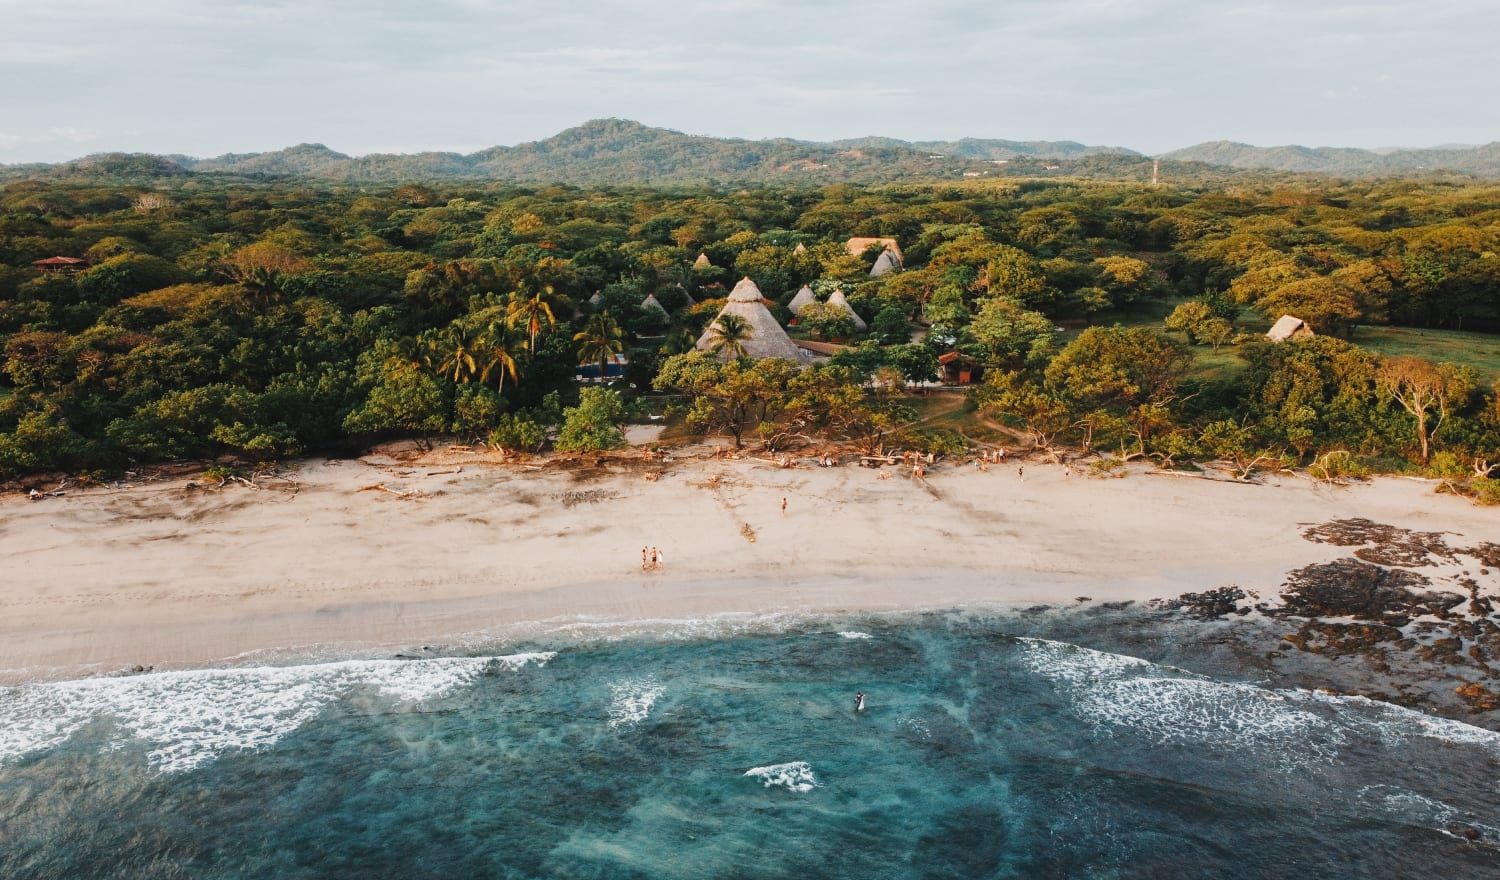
(1478, 350)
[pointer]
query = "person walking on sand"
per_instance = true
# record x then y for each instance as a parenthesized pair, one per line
(783, 504)
(1021, 472)
(645, 560)
(859, 702)
(658, 561)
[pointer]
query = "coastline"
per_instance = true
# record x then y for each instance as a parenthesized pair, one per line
(168, 576)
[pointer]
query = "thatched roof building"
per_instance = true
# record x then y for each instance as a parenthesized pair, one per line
(837, 298)
(596, 299)
(1289, 327)
(650, 304)
(800, 248)
(703, 262)
(767, 339)
(802, 300)
(887, 262)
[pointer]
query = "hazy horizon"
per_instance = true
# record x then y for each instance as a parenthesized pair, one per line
(207, 78)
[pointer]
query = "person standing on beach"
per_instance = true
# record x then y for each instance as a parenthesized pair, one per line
(783, 504)
(645, 562)
(657, 560)
(1021, 472)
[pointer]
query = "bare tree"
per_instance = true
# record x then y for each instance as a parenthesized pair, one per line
(1428, 392)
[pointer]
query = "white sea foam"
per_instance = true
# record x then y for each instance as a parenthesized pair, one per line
(631, 701)
(1215, 714)
(855, 635)
(191, 717)
(1294, 727)
(1075, 665)
(1395, 725)
(1416, 809)
(795, 775)
(1115, 692)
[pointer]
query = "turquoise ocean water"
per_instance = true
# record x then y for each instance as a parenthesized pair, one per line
(982, 753)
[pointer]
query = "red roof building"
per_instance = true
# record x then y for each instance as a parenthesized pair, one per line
(59, 264)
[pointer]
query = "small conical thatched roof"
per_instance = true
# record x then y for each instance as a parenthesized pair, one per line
(597, 298)
(767, 339)
(702, 262)
(649, 304)
(800, 248)
(886, 262)
(838, 299)
(802, 300)
(690, 300)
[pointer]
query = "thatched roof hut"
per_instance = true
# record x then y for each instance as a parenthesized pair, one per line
(887, 262)
(703, 262)
(596, 299)
(838, 299)
(800, 248)
(650, 304)
(1289, 327)
(802, 300)
(767, 339)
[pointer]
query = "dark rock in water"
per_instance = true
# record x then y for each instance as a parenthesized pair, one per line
(1210, 605)
(1351, 588)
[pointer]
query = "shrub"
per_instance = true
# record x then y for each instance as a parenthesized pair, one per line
(594, 424)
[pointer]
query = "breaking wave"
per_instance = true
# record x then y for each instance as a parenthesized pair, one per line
(795, 775)
(189, 718)
(1294, 728)
(631, 701)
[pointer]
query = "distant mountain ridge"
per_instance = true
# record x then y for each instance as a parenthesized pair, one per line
(1483, 160)
(619, 151)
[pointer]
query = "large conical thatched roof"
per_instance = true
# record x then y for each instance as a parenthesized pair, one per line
(838, 299)
(702, 262)
(767, 339)
(803, 299)
(886, 262)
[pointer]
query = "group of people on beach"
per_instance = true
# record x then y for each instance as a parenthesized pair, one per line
(652, 560)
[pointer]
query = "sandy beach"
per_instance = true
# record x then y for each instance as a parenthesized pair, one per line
(168, 574)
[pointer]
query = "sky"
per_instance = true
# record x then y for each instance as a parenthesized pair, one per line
(214, 76)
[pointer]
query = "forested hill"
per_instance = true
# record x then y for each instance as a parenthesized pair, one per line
(617, 151)
(1482, 161)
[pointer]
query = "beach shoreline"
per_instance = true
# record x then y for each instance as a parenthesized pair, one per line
(455, 549)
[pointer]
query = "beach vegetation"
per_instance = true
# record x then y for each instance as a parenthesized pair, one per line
(262, 317)
(594, 424)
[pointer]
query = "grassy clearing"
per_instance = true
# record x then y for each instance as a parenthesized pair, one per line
(1478, 350)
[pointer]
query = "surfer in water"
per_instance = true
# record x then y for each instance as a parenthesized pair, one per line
(859, 702)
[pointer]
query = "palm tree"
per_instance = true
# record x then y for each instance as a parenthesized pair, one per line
(531, 311)
(680, 340)
(453, 350)
(729, 334)
(599, 340)
(495, 346)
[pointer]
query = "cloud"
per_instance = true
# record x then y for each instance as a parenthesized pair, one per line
(211, 76)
